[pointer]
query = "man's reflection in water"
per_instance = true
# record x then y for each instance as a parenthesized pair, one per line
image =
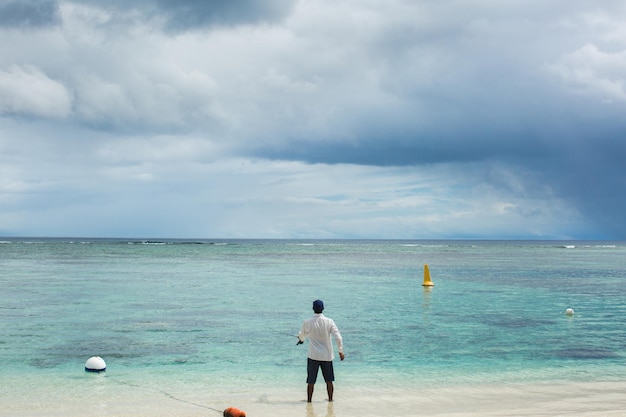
(310, 411)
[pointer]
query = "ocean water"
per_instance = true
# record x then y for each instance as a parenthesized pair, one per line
(190, 327)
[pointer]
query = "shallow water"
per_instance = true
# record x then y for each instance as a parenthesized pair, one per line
(195, 326)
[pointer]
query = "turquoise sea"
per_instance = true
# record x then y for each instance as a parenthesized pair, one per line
(190, 327)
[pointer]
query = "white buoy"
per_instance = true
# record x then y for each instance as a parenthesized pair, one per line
(569, 312)
(95, 364)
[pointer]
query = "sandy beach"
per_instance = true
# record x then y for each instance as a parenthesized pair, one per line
(574, 400)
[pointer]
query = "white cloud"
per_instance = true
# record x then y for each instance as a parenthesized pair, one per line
(180, 196)
(594, 72)
(25, 89)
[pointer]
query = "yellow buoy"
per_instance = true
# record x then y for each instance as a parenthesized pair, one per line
(427, 281)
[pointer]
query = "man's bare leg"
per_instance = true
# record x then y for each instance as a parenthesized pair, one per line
(330, 388)
(309, 392)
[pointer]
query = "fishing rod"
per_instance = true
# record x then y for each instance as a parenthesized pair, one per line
(285, 333)
(289, 334)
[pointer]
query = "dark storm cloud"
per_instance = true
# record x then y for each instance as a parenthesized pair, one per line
(592, 174)
(571, 144)
(28, 13)
(197, 14)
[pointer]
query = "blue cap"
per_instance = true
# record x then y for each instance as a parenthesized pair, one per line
(318, 306)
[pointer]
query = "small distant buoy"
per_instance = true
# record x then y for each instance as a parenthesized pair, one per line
(234, 412)
(95, 364)
(569, 312)
(427, 281)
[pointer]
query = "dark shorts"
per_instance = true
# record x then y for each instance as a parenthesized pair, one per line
(313, 367)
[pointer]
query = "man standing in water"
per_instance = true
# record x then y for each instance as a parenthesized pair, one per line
(320, 355)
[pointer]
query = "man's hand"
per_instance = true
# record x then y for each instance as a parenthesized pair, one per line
(341, 356)
(299, 342)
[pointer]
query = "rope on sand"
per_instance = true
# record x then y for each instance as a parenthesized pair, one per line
(167, 394)
(170, 396)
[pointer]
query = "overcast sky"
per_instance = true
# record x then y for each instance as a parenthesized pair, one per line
(313, 119)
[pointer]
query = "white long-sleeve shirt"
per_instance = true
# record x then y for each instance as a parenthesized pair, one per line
(319, 329)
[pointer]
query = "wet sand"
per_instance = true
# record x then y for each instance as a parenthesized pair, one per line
(593, 399)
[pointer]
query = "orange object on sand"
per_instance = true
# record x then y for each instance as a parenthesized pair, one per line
(234, 412)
